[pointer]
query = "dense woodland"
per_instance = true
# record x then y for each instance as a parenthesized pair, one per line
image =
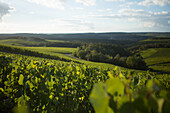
(110, 53)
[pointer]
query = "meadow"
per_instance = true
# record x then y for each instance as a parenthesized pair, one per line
(56, 51)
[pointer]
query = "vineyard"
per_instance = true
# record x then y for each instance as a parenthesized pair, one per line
(29, 84)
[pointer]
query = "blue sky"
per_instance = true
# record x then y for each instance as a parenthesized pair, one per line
(77, 16)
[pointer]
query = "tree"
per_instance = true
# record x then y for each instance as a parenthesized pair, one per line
(136, 63)
(116, 59)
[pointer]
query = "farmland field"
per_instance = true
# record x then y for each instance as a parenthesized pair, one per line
(157, 58)
(22, 41)
(52, 50)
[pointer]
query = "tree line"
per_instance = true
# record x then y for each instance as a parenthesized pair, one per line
(110, 53)
(149, 45)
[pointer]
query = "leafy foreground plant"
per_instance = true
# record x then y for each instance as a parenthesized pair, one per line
(129, 94)
(44, 86)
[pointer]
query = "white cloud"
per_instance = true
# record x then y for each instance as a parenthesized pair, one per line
(59, 4)
(51, 26)
(73, 24)
(133, 12)
(148, 24)
(149, 19)
(115, 0)
(159, 13)
(32, 13)
(50, 3)
(128, 4)
(145, 18)
(4, 9)
(77, 8)
(108, 9)
(87, 2)
(154, 2)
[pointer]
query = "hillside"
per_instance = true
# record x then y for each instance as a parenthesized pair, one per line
(32, 84)
(116, 38)
(47, 79)
(22, 41)
(63, 44)
(157, 58)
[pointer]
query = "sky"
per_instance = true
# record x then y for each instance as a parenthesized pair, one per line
(82, 16)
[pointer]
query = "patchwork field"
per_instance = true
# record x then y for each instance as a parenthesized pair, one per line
(157, 58)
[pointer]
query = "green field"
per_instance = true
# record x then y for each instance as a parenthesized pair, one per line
(157, 58)
(56, 41)
(62, 52)
(22, 41)
(161, 39)
(52, 50)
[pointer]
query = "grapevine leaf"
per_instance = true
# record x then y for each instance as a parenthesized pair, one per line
(99, 99)
(110, 74)
(115, 85)
(1, 89)
(21, 79)
(121, 75)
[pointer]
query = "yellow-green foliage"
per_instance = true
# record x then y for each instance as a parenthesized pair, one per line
(29, 84)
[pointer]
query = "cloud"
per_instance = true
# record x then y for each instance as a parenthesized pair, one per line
(128, 4)
(50, 26)
(114, 0)
(73, 24)
(145, 18)
(49, 3)
(4, 9)
(59, 4)
(148, 24)
(77, 8)
(154, 2)
(148, 18)
(87, 2)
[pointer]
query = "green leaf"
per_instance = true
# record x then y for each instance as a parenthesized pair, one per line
(100, 99)
(149, 85)
(21, 79)
(30, 85)
(27, 98)
(160, 104)
(115, 85)
(1, 89)
(121, 75)
(21, 109)
(110, 74)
